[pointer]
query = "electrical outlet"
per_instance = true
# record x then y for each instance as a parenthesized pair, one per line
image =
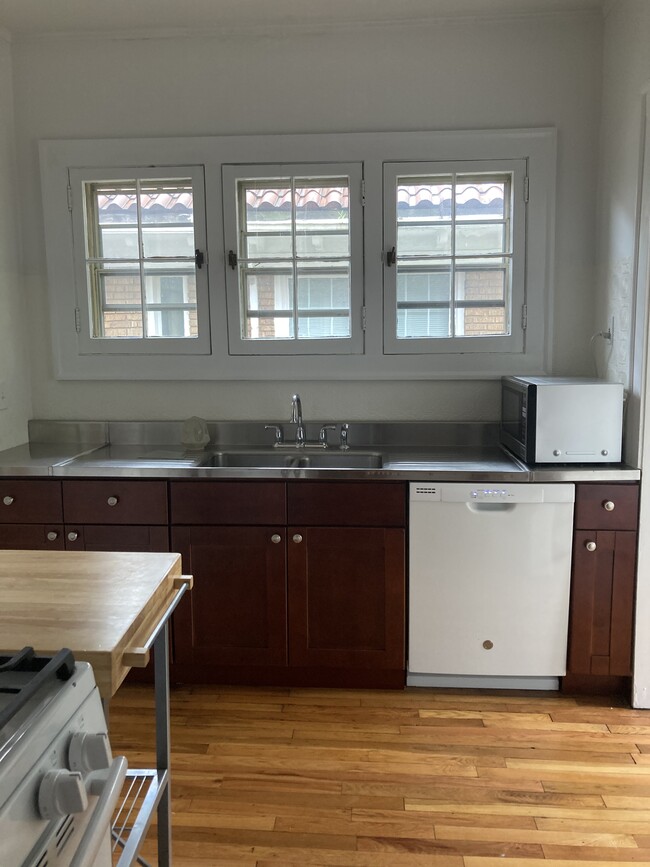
(4, 403)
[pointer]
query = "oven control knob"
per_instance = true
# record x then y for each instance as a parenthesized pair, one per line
(61, 793)
(89, 751)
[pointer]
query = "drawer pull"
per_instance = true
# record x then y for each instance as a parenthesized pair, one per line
(7, 500)
(112, 501)
(52, 536)
(72, 537)
(590, 546)
(275, 538)
(297, 538)
(609, 506)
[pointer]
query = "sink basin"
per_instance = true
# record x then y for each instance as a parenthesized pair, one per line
(296, 460)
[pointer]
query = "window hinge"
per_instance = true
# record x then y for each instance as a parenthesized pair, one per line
(77, 320)
(363, 319)
(69, 192)
(363, 194)
(524, 316)
(526, 188)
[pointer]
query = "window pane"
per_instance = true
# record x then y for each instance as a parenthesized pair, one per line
(481, 321)
(171, 303)
(424, 198)
(424, 286)
(480, 238)
(480, 198)
(322, 218)
(269, 328)
(423, 323)
(118, 242)
(323, 291)
(416, 239)
(166, 211)
(267, 227)
(269, 290)
(481, 285)
(316, 327)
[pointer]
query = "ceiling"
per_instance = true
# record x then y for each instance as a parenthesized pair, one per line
(26, 18)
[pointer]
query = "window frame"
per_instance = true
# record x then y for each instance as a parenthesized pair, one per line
(538, 146)
(238, 345)
(145, 345)
(514, 342)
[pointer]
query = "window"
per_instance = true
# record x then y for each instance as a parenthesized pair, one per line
(339, 256)
(455, 264)
(141, 285)
(293, 240)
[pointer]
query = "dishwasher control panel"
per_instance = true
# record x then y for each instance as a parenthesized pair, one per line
(462, 492)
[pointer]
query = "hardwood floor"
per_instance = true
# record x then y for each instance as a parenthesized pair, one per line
(264, 777)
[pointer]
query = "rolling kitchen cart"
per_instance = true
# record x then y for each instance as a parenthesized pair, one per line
(111, 610)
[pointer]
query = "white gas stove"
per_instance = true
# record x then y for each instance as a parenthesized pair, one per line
(59, 782)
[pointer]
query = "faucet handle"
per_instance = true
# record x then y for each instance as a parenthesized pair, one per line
(322, 436)
(279, 433)
(344, 436)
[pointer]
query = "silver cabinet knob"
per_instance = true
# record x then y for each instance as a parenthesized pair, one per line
(7, 500)
(275, 538)
(609, 506)
(72, 537)
(52, 536)
(297, 538)
(590, 546)
(112, 501)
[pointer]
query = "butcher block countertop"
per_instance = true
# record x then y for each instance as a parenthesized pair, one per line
(104, 606)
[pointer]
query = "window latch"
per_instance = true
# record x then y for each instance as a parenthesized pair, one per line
(232, 259)
(199, 258)
(391, 257)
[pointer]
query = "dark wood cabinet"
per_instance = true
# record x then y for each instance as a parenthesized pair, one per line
(294, 583)
(236, 614)
(346, 600)
(602, 586)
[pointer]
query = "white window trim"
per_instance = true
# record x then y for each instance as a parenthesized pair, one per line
(537, 146)
(303, 347)
(88, 345)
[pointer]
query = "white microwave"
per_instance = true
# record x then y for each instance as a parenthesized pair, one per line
(562, 420)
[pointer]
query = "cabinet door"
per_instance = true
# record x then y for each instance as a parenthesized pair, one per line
(236, 612)
(32, 537)
(346, 597)
(602, 602)
(115, 538)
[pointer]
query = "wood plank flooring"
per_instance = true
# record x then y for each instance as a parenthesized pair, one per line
(334, 778)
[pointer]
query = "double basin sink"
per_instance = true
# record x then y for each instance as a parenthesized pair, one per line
(298, 459)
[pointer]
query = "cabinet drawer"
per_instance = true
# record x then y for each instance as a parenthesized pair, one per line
(228, 503)
(115, 502)
(30, 502)
(606, 507)
(32, 537)
(347, 504)
(98, 537)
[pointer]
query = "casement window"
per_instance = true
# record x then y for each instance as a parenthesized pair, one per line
(293, 240)
(139, 238)
(455, 243)
(364, 256)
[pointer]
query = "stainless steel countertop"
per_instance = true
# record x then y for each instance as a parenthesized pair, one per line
(416, 451)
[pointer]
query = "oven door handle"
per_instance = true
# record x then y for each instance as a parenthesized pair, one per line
(100, 824)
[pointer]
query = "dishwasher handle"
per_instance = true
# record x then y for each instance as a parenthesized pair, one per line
(475, 506)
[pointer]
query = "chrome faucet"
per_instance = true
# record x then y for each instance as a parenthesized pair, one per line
(296, 418)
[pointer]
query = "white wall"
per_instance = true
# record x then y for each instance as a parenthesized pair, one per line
(622, 232)
(515, 72)
(14, 375)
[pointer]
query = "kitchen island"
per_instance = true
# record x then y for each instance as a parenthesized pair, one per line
(110, 609)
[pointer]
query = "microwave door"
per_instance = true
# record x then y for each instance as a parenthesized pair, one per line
(517, 428)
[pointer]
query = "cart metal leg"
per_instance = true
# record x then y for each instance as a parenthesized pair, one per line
(161, 689)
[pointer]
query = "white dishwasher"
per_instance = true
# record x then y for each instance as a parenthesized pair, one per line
(489, 579)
